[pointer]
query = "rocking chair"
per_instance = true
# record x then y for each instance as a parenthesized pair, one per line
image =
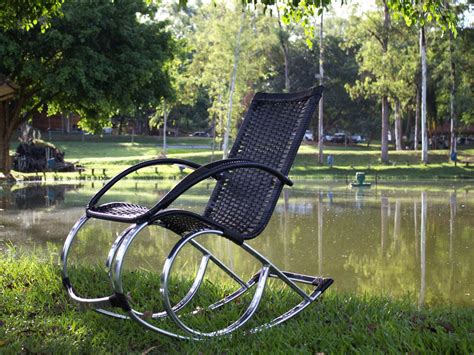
(248, 185)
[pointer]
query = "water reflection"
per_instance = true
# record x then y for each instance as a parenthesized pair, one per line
(421, 298)
(34, 197)
(394, 240)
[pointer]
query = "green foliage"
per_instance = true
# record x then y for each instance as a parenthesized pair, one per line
(301, 12)
(465, 70)
(20, 14)
(392, 72)
(422, 12)
(463, 56)
(213, 46)
(93, 61)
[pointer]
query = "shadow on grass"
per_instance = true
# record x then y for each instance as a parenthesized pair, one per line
(37, 316)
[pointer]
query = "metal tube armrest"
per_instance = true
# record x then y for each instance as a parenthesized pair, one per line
(116, 178)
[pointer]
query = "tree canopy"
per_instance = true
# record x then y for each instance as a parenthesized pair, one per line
(117, 59)
(95, 61)
(28, 14)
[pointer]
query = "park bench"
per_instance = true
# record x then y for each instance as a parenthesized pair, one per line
(466, 160)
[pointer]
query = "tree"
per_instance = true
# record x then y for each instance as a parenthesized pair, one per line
(20, 14)
(341, 68)
(176, 69)
(229, 59)
(95, 61)
(448, 54)
(232, 86)
(420, 13)
(321, 101)
(185, 106)
(372, 35)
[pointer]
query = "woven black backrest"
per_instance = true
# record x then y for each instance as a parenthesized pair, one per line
(271, 134)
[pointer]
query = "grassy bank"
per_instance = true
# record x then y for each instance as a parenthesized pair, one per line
(104, 157)
(37, 316)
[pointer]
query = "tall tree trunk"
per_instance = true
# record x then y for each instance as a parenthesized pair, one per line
(5, 164)
(232, 88)
(320, 233)
(9, 121)
(285, 50)
(165, 126)
(384, 144)
(452, 94)
(424, 133)
(417, 118)
(384, 139)
(120, 127)
(321, 100)
(398, 126)
(214, 130)
(407, 130)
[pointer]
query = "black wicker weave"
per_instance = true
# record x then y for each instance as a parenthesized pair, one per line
(249, 182)
(247, 188)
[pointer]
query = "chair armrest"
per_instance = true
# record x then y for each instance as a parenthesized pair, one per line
(116, 178)
(208, 170)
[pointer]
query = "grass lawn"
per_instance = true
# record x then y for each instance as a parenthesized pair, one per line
(116, 153)
(37, 316)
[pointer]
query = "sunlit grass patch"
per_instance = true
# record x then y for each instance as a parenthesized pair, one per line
(37, 316)
(104, 158)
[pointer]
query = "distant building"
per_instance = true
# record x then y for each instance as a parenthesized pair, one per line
(64, 123)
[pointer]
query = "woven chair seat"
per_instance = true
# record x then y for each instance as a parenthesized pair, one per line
(248, 185)
(120, 209)
(182, 223)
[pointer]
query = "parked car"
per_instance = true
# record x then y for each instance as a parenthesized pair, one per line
(358, 138)
(200, 134)
(328, 138)
(308, 136)
(339, 138)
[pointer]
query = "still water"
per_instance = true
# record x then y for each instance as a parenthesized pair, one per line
(404, 240)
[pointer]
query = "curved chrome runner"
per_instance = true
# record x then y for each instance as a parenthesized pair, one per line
(248, 185)
(259, 279)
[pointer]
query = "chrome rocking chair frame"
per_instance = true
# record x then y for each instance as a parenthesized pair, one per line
(248, 185)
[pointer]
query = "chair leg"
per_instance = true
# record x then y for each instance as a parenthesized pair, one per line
(115, 261)
(268, 270)
(117, 267)
(259, 280)
(96, 303)
(101, 304)
(235, 325)
(318, 291)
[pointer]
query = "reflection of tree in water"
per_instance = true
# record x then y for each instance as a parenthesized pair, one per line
(384, 212)
(420, 259)
(424, 214)
(34, 197)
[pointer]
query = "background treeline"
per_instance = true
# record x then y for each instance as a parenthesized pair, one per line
(155, 65)
(357, 72)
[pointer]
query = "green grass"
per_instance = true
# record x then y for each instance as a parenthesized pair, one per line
(37, 316)
(117, 153)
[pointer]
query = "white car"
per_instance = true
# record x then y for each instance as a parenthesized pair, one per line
(328, 138)
(357, 138)
(308, 136)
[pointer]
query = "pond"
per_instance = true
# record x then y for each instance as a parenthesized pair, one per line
(404, 240)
